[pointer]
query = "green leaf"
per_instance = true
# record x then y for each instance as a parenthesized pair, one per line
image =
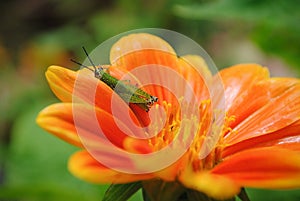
(121, 192)
(243, 195)
(273, 195)
(279, 13)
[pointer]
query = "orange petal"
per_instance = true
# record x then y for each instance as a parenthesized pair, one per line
(238, 79)
(163, 66)
(291, 143)
(200, 64)
(85, 167)
(82, 86)
(278, 137)
(137, 42)
(271, 168)
(282, 109)
(137, 146)
(56, 119)
(214, 185)
(197, 74)
(171, 80)
(61, 81)
(248, 102)
(67, 121)
(243, 93)
(156, 67)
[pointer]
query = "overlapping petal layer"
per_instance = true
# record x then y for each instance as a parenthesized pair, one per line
(81, 86)
(270, 167)
(213, 185)
(83, 125)
(260, 149)
(155, 54)
(280, 109)
(84, 166)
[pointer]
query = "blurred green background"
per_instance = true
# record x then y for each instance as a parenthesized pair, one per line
(36, 34)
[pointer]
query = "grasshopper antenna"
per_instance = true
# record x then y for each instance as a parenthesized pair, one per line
(89, 58)
(80, 64)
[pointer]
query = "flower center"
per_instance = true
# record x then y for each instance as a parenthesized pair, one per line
(169, 130)
(194, 128)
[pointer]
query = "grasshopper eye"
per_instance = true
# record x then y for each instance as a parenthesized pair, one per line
(98, 73)
(152, 100)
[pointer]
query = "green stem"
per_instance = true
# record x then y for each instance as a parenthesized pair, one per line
(158, 190)
(198, 196)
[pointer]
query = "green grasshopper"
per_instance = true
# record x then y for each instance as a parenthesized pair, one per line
(129, 93)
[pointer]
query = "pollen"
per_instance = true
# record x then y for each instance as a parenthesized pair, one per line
(193, 128)
(170, 127)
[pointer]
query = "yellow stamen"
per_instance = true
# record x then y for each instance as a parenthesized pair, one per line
(197, 130)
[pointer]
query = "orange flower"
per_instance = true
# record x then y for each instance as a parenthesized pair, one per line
(254, 143)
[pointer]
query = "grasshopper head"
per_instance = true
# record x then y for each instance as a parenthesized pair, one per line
(98, 72)
(152, 100)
